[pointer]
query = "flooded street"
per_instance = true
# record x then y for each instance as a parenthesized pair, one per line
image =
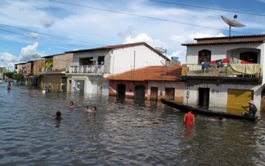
(118, 134)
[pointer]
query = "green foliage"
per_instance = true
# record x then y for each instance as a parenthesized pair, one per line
(18, 76)
(9, 74)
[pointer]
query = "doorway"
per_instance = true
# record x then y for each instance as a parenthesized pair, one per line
(154, 93)
(204, 97)
(120, 93)
(139, 95)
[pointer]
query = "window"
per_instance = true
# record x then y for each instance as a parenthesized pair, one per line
(249, 56)
(86, 61)
(204, 56)
(101, 60)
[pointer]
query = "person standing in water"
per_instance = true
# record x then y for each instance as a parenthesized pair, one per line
(189, 118)
(9, 86)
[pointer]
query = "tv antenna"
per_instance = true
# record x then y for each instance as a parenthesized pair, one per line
(232, 23)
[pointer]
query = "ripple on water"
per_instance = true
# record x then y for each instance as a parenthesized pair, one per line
(124, 135)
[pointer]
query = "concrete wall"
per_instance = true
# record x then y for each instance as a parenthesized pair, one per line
(162, 85)
(38, 64)
(129, 58)
(52, 80)
(220, 51)
(61, 62)
(219, 94)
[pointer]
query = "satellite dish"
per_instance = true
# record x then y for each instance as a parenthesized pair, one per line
(232, 23)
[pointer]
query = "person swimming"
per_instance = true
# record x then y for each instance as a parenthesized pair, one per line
(58, 115)
(87, 109)
(71, 105)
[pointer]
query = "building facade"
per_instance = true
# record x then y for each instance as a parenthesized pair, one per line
(224, 72)
(149, 83)
(91, 67)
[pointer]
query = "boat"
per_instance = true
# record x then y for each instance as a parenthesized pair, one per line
(206, 112)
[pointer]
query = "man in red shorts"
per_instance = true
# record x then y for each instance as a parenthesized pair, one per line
(189, 118)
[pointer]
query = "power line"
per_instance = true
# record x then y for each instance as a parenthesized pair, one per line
(209, 8)
(45, 34)
(137, 15)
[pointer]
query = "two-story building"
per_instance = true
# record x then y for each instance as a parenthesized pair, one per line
(225, 71)
(53, 72)
(90, 67)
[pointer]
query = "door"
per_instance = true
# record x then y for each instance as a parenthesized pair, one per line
(64, 84)
(237, 98)
(204, 97)
(170, 93)
(120, 93)
(154, 93)
(139, 95)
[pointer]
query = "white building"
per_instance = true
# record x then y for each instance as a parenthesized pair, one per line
(90, 67)
(225, 71)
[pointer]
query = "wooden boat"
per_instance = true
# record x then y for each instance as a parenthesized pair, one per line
(185, 108)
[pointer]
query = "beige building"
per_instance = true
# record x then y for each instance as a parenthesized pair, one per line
(53, 72)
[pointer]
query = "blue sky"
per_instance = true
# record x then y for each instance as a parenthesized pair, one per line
(31, 29)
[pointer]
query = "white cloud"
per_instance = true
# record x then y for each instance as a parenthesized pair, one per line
(34, 35)
(28, 52)
(7, 57)
(143, 37)
(7, 60)
(47, 22)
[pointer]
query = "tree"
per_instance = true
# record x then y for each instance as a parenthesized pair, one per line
(18, 77)
(9, 74)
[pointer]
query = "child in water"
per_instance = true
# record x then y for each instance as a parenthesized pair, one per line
(94, 109)
(71, 105)
(87, 109)
(58, 115)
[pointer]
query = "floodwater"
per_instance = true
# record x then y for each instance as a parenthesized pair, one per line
(118, 134)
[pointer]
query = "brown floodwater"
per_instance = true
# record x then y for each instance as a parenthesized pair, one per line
(118, 134)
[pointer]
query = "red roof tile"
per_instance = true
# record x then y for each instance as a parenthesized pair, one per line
(151, 73)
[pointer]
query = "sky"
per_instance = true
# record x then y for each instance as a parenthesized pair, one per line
(31, 29)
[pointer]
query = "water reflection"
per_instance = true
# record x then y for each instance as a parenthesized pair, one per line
(118, 133)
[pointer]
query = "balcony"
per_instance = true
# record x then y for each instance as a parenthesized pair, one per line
(232, 72)
(45, 69)
(86, 69)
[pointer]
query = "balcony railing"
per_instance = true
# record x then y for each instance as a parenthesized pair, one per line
(86, 69)
(227, 70)
(45, 69)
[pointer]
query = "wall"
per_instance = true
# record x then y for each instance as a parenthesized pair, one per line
(218, 97)
(178, 86)
(218, 51)
(129, 58)
(52, 80)
(38, 64)
(61, 62)
(129, 91)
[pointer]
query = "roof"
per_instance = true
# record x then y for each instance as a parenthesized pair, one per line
(228, 37)
(260, 38)
(111, 47)
(151, 73)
